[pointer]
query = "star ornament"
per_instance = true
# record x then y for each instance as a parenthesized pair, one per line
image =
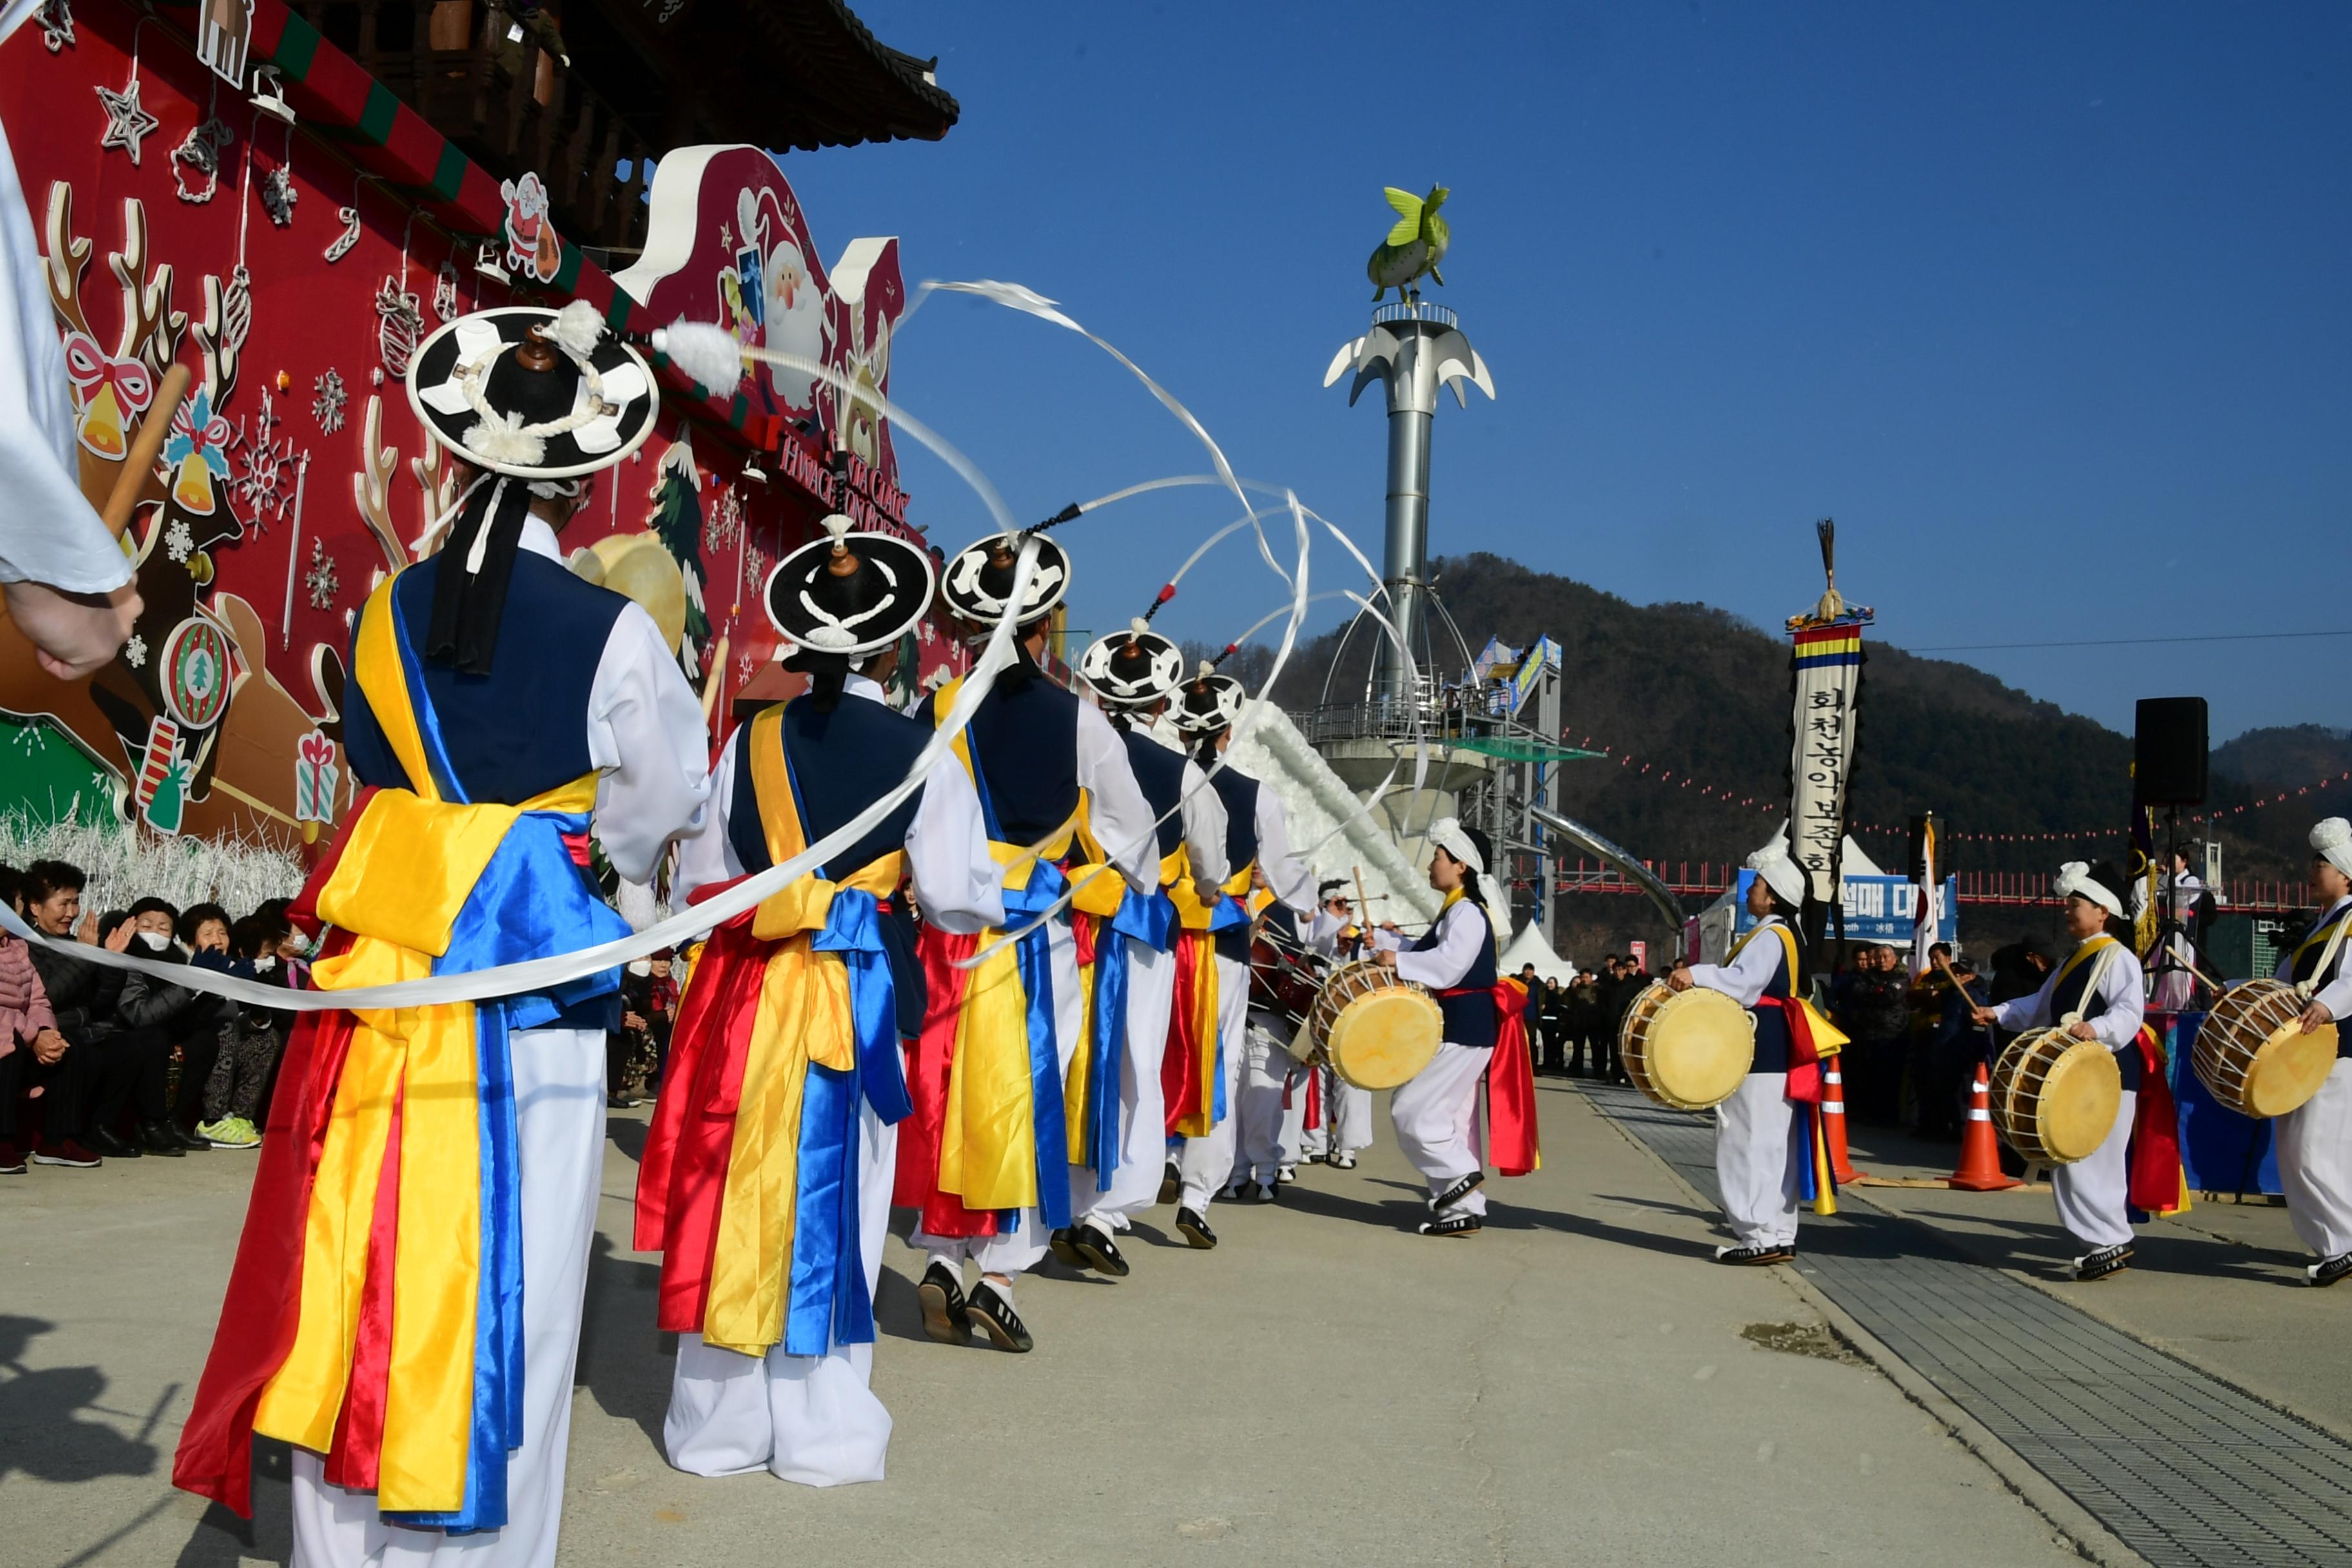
(127, 124)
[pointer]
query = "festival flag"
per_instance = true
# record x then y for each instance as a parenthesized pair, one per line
(1927, 894)
(1825, 677)
(2144, 870)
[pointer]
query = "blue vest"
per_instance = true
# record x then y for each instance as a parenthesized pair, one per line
(842, 762)
(2067, 996)
(1469, 1020)
(1772, 1025)
(1160, 772)
(1025, 743)
(2307, 967)
(1239, 791)
(521, 730)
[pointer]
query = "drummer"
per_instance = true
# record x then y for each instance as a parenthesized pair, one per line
(1344, 1129)
(1270, 1107)
(1435, 1112)
(1760, 1142)
(2100, 988)
(2315, 1140)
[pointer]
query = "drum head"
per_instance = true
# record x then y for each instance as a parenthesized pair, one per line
(1699, 1048)
(1380, 1040)
(2079, 1101)
(2289, 1069)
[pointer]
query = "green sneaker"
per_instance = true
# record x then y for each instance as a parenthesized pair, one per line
(231, 1132)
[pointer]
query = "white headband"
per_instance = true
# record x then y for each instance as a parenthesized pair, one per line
(2074, 879)
(1782, 874)
(2332, 842)
(1447, 835)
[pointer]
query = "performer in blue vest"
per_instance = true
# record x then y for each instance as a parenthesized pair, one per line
(2097, 993)
(1761, 1143)
(2315, 1140)
(1119, 1129)
(502, 709)
(776, 1094)
(1257, 837)
(988, 1164)
(1435, 1112)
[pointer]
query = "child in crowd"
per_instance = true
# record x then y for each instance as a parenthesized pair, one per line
(249, 1042)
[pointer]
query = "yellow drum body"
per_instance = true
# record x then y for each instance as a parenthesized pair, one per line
(2253, 1055)
(1686, 1049)
(2055, 1097)
(1375, 1029)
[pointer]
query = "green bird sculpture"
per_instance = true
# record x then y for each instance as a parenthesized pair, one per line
(1414, 247)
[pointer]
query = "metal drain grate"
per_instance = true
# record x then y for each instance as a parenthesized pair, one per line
(2182, 1466)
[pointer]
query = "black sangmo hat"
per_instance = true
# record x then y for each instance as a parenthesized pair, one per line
(533, 392)
(1133, 669)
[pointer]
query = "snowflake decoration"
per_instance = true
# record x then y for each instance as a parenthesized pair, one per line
(445, 291)
(726, 520)
(755, 562)
(321, 578)
(134, 652)
(267, 484)
(57, 24)
(327, 407)
(277, 196)
(178, 542)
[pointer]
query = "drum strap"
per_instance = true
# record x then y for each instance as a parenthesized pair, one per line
(2320, 971)
(2107, 950)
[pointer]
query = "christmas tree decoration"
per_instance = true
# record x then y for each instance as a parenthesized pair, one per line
(445, 291)
(194, 674)
(676, 519)
(57, 24)
(321, 578)
(340, 246)
(265, 485)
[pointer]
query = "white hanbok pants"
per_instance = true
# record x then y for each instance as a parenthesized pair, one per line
(1347, 1119)
(1266, 1136)
(2315, 1165)
(1435, 1114)
(1759, 1147)
(1207, 1160)
(1142, 1103)
(1025, 1246)
(559, 1083)
(2092, 1192)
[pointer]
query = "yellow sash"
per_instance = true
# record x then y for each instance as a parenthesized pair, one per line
(1828, 1038)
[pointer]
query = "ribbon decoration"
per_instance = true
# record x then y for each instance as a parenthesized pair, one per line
(100, 378)
(1511, 1138)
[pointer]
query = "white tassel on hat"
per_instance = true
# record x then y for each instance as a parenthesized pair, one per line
(577, 329)
(2074, 880)
(708, 356)
(502, 439)
(2332, 842)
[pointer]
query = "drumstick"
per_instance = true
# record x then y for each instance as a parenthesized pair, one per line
(1363, 904)
(140, 462)
(1959, 990)
(717, 674)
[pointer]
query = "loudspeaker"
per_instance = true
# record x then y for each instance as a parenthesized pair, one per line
(2169, 751)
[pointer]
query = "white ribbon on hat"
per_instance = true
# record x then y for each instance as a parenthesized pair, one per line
(1447, 835)
(2331, 840)
(2074, 879)
(1782, 874)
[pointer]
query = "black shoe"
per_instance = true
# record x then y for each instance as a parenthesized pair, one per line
(187, 1137)
(12, 1160)
(2100, 1264)
(1453, 1225)
(1065, 1246)
(1285, 1174)
(1244, 1192)
(1457, 1192)
(161, 1138)
(997, 1319)
(2329, 1270)
(1195, 1229)
(1171, 1183)
(946, 1318)
(1753, 1255)
(103, 1142)
(1341, 1162)
(1100, 1251)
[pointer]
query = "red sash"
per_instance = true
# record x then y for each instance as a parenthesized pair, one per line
(927, 1066)
(1511, 1141)
(1804, 1060)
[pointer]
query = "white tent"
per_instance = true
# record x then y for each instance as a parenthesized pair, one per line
(1531, 946)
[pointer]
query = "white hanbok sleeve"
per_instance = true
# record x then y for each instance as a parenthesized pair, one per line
(1119, 817)
(646, 737)
(1291, 882)
(1204, 826)
(2124, 990)
(1744, 978)
(2020, 1013)
(1387, 940)
(48, 533)
(1458, 936)
(708, 854)
(957, 884)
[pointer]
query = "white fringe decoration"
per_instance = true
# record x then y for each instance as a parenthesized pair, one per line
(709, 356)
(123, 864)
(577, 329)
(1316, 801)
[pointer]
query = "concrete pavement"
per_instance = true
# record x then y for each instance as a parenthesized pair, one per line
(1575, 1384)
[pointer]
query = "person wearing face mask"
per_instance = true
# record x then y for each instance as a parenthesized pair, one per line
(249, 1047)
(188, 1022)
(156, 1016)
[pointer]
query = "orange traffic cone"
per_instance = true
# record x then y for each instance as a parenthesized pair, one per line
(1980, 1169)
(1833, 1122)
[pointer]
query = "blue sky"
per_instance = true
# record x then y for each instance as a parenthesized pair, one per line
(2048, 307)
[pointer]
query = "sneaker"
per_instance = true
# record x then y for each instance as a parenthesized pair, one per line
(1099, 1252)
(12, 1160)
(1753, 1255)
(65, 1151)
(229, 1133)
(1453, 1225)
(998, 1321)
(2100, 1264)
(944, 1310)
(2329, 1270)
(1195, 1229)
